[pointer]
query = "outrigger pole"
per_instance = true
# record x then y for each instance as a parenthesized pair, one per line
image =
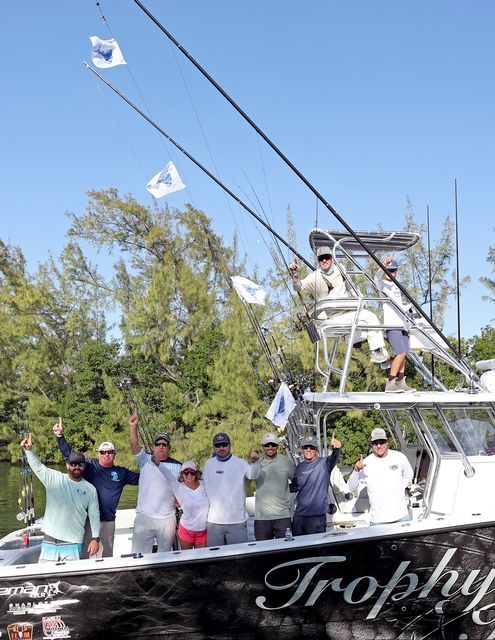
(199, 165)
(293, 168)
(217, 181)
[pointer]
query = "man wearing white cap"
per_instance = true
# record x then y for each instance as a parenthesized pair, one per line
(386, 474)
(109, 481)
(273, 498)
(329, 282)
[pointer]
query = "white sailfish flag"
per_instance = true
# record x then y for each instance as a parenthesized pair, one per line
(282, 406)
(106, 53)
(248, 290)
(166, 181)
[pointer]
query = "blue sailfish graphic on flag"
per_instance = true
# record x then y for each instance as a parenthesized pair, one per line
(282, 406)
(248, 291)
(166, 181)
(106, 53)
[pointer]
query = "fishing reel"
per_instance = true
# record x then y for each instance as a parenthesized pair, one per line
(303, 322)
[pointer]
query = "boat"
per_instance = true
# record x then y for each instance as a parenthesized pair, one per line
(430, 577)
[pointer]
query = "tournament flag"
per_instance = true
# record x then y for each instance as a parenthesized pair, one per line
(282, 406)
(248, 291)
(106, 53)
(166, 181)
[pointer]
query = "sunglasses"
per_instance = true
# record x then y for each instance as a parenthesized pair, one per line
(325, 257)
(221, 445)
(108, 452)
(375, 442)
(77, 464)
(188, 472)
(162, 444)
(270, 444)
(309, 446)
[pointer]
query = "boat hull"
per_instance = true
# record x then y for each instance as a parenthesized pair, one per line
(433, 585)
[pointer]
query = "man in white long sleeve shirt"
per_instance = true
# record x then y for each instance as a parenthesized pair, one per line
(224, 476)
(329, 282)
(386, 474)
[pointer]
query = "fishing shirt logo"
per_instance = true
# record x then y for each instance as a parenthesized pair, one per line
(114, 476)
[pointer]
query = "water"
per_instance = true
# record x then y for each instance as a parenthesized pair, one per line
(10, 491)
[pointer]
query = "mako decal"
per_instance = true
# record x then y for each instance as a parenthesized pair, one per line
(30, 590)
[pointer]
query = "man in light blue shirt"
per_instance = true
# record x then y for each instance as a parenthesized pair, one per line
(69, 501)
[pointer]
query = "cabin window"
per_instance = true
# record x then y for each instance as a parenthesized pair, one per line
(475, 430)
(438, 431)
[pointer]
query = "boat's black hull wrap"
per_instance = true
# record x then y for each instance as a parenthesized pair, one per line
(440, 585)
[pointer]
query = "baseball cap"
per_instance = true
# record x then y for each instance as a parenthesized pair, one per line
(221, 437)
(378, 434)
(162, 436)
(76, 456)
(309, 440)
(269, 438)
(189, 464)
(392, 266)
(106, 446)
(323, 251)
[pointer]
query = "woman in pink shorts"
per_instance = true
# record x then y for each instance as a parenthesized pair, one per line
(190, 492)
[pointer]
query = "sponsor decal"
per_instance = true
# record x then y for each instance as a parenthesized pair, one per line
(20, 631)
(54, 627)
(31, 590)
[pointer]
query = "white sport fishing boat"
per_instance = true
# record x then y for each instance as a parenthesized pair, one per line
(431, 577)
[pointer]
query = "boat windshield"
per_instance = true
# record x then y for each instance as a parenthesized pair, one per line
(474, 429)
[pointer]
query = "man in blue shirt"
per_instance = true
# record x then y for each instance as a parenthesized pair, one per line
(109, 481)
(311, 480)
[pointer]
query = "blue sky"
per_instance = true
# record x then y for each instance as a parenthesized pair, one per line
(375, 102)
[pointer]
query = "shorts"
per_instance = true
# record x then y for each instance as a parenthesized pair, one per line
(193, 537)
(399, 341)
(53, 550)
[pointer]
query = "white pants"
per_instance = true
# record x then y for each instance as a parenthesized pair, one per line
(365, 317)
(146, 529)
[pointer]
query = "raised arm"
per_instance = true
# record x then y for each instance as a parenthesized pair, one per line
(34, 462)
(63, 445)
(356, 476)
(254, 468)
(133, 434)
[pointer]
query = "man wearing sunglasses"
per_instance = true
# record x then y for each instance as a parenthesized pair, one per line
(70, 500)
(155, 510)
(273, 498)
(311, 481)
(329, 282)
(109, 481)
(386, 474)
(224, 475)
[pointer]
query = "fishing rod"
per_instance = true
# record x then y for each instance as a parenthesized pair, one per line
(298, 173)
(198, 164)
(26, 493)
(305, 320)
